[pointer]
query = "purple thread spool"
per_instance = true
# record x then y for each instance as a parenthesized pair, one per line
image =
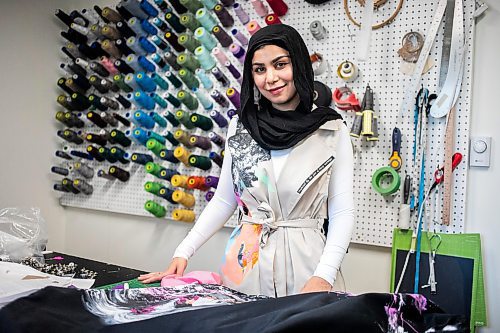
(212, 181)
(227, 3)
(222, 36)
(209, 195)
(200, 142)
(239, 36)
(231, 113)
(234, 97)
(216, 158)
(224, 17)
(217, 139)
(234, 71)
(238, 52)
(218, 118)
(240, 12)
(219, 98)
(221, 77)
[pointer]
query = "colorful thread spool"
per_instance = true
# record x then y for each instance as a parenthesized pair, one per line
(119, 173)
(67, 184)
(162, 122)
(144, 100)
(154, 208)
(171, 118)
(224, 17)
(203, 99)
(182, 154)
(216, 158)
(184, 198)
(118, 79)
(160, 24)
(156, 136)
(148, 8)
(175, 22)
(158, 100)
(233, 70)
(279, 7)
(272, 19)
(200, 142)
(259, 7)
(159, 61)
(133, 44)
(155, 146)
(210, 4)
(153, 187)
(119, 154)
(234, 97)
(111, 48)
(125, 103)
(191, 5)
(168, 155)
(160, 43)
(146, 45)
(189, 21)
(219, 98)
(219, 119)
(103, 174)
(200, 162)
(197, 183)
(141, 158)
(82, 186)
(187, 99)
(63, 155)
(207, 62)
(70, 136)
(184, 215)
(179, 8)
(173, 79)
(174, 41)
(238, 52)
(183, 137)
(219, 55)
(173, 100)
(222, 36)
(166, 194)
(145, 82)
(184, 118)
(117, 136)
(227, 3)
(179, 181)
(167, 174)
(203, 77)
(96, 119)
(220, 76)
(154, 169)
(252, 27)
(131, 82)
(188, 61)
(148, 28)
(206, 19)
(109, 119)
(217, 139)
(202, 122)
(84, 170)
(205, 38)
(212, 181)
(147, 65)
(240, 12)
(106, 152)
(189, 79)
(159, 81)
(209, 195)
(142, 119)
(188, 41)
(139, 135)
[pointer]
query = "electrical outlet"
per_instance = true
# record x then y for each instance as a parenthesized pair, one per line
(480, 151)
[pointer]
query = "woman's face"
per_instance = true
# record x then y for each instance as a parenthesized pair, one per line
(272, 74)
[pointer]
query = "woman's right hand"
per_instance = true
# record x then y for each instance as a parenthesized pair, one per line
(176, 268)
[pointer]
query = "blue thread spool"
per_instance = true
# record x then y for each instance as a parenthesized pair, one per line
(217, 139)
(135, 24)
(141, 159)
(158, 60)
(144, 100)
(205, 102)
(156, 136)
(205, 80)
(145, 82)
(139, 135)
(147, 65)
(148, 27)
(205, 38)
(159, 81)
(167, 194)
(231, 113)
(147, 45)
(218, 118)
(133, 44)
(173, 79)
(162, 5)
(175, 22)
(160, 101)
(162, 122)
(81, 154)
(173, 100)
(160, 43)
(168, 155)
(210, 4)
(143, 119)
(238, 52)
(131, 60)
(206, 19)
(162, 25)
(206, 60)
(216, 158)
(219, 98)
(171, 118)
(149, 8)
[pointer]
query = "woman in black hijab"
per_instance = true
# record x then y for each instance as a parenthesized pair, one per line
(287, 168)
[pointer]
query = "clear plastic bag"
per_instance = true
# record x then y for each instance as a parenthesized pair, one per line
(23, 233)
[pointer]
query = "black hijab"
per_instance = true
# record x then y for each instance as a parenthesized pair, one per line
(271, 128)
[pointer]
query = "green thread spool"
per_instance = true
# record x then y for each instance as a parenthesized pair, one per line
(118, 79)
(191, 5)
(210, 4)
(170, 137)
(206, 60)
(200, 162)
(120, 137)
(155, 208)
(157, 137)
(60, 117)
(155, 146)
(153, 187)
(173, 79)
(202, 122)
(153, 168)
(159, 81)
(188, 61)
(184, 118)
(189, 79)
(182, 137)
(205, 38)
(206, 19)
(174, 21)
(187, 99)
(189, 21)
(160, 101)
(171, 118)
(173, 100)
(188, 41)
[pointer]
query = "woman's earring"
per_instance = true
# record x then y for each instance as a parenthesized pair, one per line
(256, 96)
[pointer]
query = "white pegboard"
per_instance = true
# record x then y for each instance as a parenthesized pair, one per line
(376, 216)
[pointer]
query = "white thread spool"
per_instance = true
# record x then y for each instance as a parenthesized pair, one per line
(404, 217)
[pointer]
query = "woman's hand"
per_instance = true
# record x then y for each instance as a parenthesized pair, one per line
(316, 284)
(176, 268)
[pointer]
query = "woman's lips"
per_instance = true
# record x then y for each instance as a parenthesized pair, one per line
(277, 91)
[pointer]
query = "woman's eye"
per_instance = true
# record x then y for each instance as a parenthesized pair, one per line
(259, 69)
(281, 64)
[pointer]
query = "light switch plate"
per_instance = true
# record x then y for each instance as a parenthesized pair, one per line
(480, 151)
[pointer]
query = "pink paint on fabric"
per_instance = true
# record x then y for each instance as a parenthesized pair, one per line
(191, 277)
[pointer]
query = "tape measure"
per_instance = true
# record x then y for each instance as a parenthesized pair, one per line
(382, 175)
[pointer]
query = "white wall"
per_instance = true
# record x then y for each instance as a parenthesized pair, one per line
(29, 57)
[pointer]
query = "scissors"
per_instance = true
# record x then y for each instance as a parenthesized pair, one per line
(439, 173)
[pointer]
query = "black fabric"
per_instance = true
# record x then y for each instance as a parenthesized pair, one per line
(61, 310)
(271, 128)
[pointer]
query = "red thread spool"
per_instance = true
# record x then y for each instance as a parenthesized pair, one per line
(279, 7)
(197, 182)
(272, 19)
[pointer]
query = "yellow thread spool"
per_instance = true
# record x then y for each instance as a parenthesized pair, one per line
(179, 181)
(185, 215)
(183, 198)
(182, 155)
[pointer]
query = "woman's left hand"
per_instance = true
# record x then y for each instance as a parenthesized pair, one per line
(316, 284)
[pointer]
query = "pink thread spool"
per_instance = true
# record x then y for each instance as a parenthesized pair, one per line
(253, 26)
(219, 55)
(109, 65)
(238, 52)
(259, 7)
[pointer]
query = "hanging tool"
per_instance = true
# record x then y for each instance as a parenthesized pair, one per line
(365, 123)
(395, 160)
(431, 282)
